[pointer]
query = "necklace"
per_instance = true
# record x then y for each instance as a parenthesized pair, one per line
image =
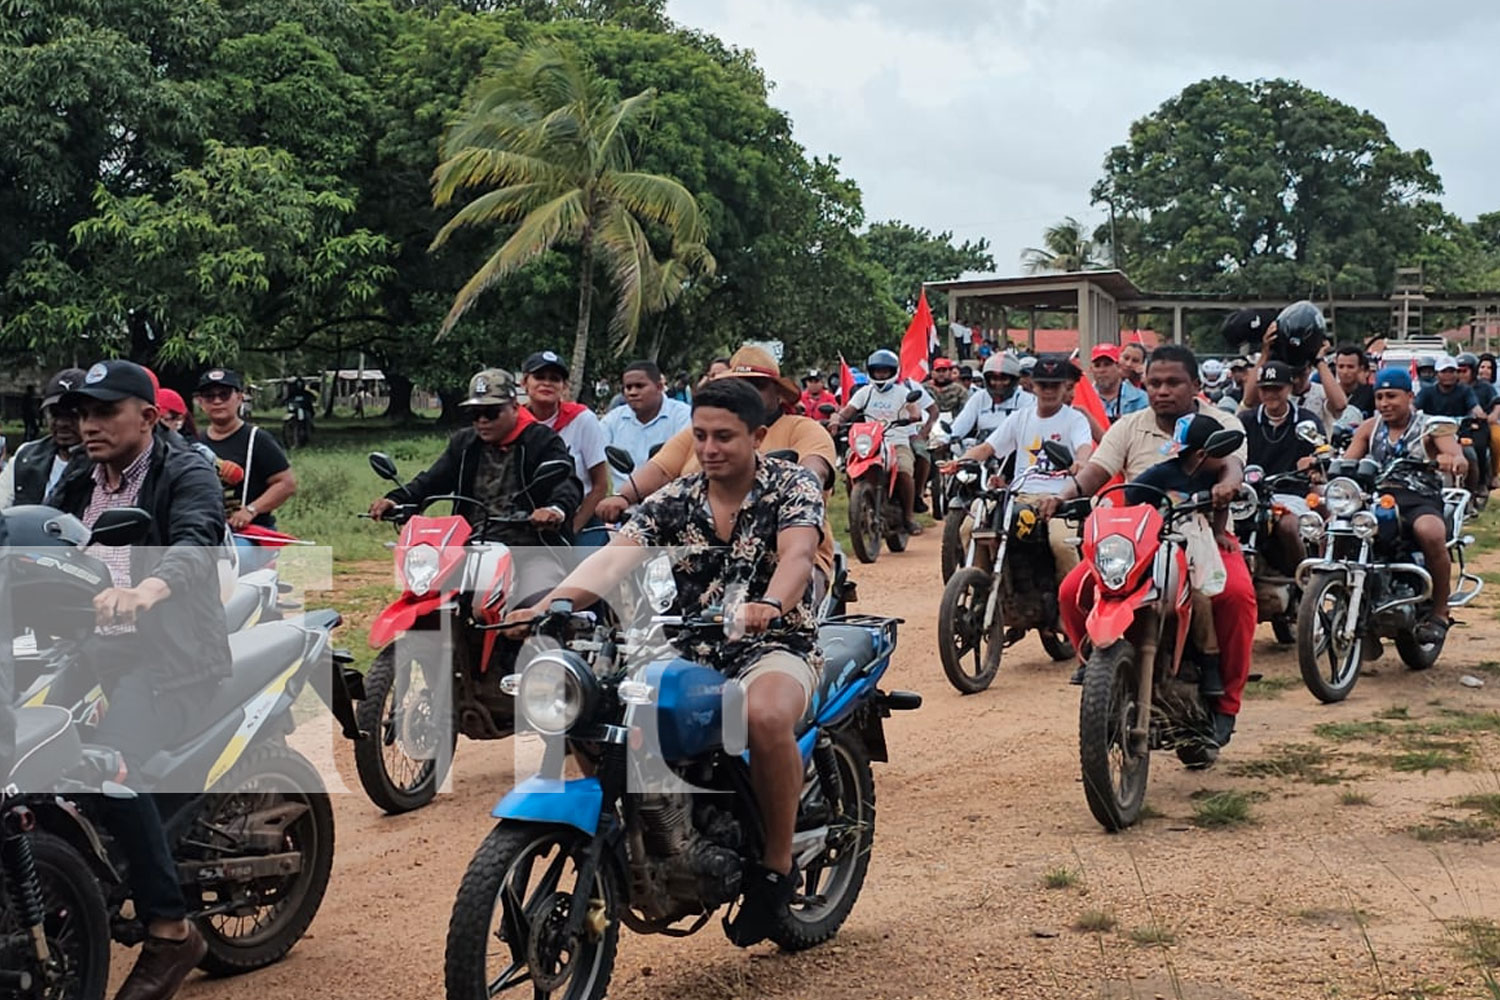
(1267, 427)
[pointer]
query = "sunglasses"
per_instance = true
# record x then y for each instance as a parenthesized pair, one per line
(215, 395)
(998, 380)
(478, 413)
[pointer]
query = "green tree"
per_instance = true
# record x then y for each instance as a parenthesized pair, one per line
(911, 256)
(1267, 187)
(1065, 247)
(551, 139)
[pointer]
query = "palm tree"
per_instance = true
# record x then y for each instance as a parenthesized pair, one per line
(548, 140)
(1066, 247)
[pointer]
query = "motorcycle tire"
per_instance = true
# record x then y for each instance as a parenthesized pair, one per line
(954, 551)
(472, 930)
(292, 777)
(75, 921)
(1106, 711)
(1414, 654)
(1315, 639)
(935, 488)
(1057, 646)
(389, 794)
(896, 540)
(865, 521)
(832, 889)
(960, 621)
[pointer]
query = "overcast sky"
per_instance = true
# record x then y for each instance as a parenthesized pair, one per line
(992, 117)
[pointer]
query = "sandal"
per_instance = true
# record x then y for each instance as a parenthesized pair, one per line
(1433, 630)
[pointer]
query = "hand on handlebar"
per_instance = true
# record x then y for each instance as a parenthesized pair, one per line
(753, 618)
(1225, 493)
(381, 507)
(518, 622)
(1048, 506)
(1455, 465)
(611, 510)
(546, 517)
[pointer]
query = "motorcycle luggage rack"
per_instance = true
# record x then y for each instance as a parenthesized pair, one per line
(886, 624)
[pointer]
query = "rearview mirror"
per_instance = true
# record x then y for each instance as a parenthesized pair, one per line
(619, 459)
(1308, 431)
(550, 473)
(914, 395)
(1223, 443)
(827, 409)
(121, 526)
(384, 466)
(1059, 454)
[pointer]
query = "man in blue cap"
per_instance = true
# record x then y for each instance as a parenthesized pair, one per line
(1400, 430)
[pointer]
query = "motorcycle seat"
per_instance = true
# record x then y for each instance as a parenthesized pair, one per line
(258, 656)
(241, 606)
(47, 747)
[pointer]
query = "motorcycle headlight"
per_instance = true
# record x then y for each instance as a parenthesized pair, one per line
(864, 445)
(1310, 527)
(966, 476)
(420, 568)
(1114, 558)
(555, 691)
(1364, 524)
(1244, 508)
(661, 585)
(1343, 497)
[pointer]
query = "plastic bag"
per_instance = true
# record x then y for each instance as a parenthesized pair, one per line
(1205, 562)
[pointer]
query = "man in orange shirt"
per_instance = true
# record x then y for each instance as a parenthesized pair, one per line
(785, 431)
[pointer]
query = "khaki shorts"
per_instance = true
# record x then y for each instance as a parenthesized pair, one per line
(905, 460)
(779, 661)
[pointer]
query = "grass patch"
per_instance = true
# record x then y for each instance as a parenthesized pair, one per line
(1293, 761)
(1476, 940)
(1491, 667)
(1062, 877)
(1344, 732)
(1153, 934)
(1429, 759)
(1095, 922)
(1486, 805)
(1354, 797)
(1443, 829)
(1452, 721)
(1269, 687)
(1394, 712)
(1222, 809)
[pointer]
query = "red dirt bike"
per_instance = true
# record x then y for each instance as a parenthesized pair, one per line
(1140, 692)
(870, 465)
(438, 671)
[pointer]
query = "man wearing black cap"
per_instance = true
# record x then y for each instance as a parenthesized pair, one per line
(38, 465)
(544, 376)
(1272, 442)
(255, 472)
(161, 648)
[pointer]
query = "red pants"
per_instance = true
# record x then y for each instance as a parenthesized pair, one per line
(1234, 622)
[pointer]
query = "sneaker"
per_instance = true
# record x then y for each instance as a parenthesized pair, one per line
(1433, 630)
(913, 528)
(768, 894)
(919, 506)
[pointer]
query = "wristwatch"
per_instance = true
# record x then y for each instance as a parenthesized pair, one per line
(251, 508)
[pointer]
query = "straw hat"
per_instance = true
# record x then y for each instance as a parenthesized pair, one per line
(757, 363)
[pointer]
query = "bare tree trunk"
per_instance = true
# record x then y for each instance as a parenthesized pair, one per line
(400, 389)
(585, 301)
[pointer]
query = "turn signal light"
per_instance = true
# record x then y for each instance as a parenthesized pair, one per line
(1387, 501)
(1313, 500)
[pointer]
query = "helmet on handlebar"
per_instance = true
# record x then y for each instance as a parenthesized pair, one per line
(883, 359)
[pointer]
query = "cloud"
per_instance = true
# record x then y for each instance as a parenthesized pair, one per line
(993, 118)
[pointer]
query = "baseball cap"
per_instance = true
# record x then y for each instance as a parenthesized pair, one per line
(1393, 378)
(1447, 363)
(1051, 368)
(61, 384)
(1276, 373)
(1110, 351)
(221, 376)
(170, 401)
(1191, 433)
(491, 387)
(941, 363)
(812, 373)
(1239, 363)
(114, 380)
(544, 359)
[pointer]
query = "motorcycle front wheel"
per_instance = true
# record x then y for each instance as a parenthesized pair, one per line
(509, 923)
(75, 923)
(865, 521)
(1114, 779)
(1329, 664)
(954, 551)
(969, 652)
(407, 754)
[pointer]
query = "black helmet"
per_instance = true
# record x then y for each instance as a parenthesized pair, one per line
(1468, 359)
(1300, 332)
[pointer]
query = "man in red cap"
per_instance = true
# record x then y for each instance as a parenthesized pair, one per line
(1118, 394)
(945, 388)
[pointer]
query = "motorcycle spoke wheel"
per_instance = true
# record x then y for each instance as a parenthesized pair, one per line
(75, 924)
(412, 739)
(509, 924)
(969, 652)
(1114, 777)
(1329, 663)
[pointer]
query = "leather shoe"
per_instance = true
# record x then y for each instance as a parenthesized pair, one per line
(162, 967)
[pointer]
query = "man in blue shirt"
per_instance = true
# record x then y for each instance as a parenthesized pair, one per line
(649, 417)
(1447, 397)
(1119, 396)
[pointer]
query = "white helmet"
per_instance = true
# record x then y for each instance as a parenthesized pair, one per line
(1002, 363)
(1213, 372)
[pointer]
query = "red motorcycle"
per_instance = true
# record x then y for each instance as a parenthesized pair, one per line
(1140, 692)
(870, 465)
(439, 668)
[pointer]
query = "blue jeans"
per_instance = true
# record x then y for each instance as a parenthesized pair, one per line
(593, 536)
(253, 556)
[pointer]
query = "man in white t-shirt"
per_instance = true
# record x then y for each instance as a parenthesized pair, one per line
(1025, 431)
(884, 398)
(544, 376)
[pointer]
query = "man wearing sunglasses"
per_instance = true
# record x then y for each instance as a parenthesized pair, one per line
(495, 461)
(255, 473)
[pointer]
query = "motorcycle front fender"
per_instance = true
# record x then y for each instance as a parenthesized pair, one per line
(400, 615)
(857, 467)
(1111, 617)
(575, 802)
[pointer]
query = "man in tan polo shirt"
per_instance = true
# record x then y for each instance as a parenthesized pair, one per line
(803, 435)
(1132, 446)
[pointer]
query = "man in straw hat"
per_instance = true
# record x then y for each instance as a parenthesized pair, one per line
(785, 431)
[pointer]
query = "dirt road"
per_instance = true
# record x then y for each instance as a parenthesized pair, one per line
(1325, 892)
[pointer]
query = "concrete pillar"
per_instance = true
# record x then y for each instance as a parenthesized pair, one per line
(1085, 321)
(1177, 324)
(952, 317)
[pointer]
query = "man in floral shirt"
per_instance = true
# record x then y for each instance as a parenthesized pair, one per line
(744, 534)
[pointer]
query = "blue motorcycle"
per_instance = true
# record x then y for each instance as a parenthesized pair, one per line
(657, 837)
